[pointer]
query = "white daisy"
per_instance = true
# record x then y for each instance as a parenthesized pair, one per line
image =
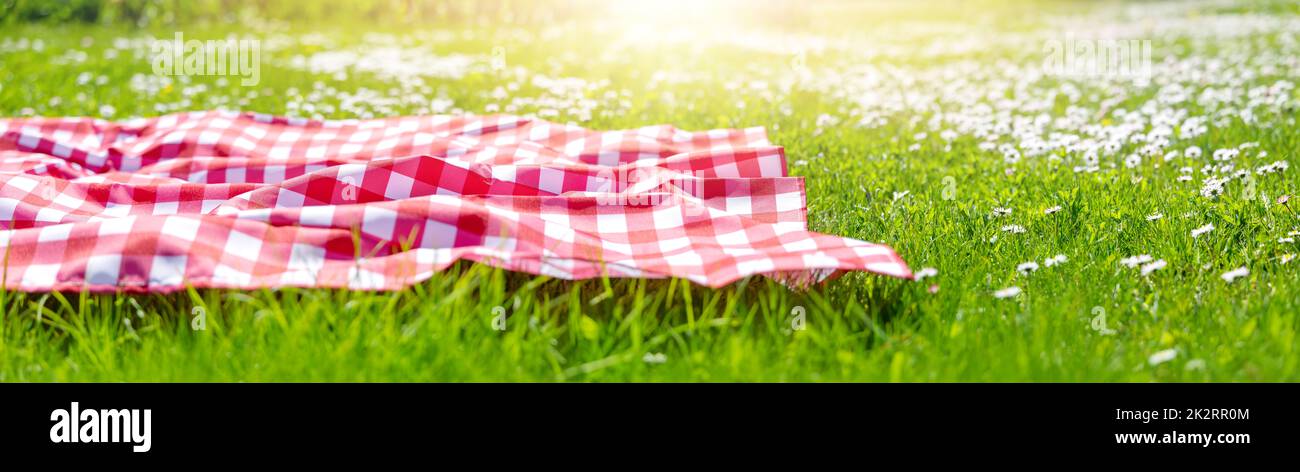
(1235, 274)
(1162, 357)
(1027, 267)
(925, 272)
(1196, 233)
(1007, 292)
(1134, 261)
(1147, 269)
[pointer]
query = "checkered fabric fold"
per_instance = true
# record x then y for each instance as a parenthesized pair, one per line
(239, 200)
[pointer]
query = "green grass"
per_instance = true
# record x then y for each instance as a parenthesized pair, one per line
(857, 328)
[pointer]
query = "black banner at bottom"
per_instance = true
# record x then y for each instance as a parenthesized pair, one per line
(322, 422)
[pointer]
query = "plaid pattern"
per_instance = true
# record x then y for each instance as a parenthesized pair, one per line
(231, 200)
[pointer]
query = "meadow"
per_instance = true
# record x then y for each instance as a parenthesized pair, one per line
(1122, 225)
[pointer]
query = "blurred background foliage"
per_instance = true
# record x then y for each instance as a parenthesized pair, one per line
(770, 13)
(145, 13)
(795, 15)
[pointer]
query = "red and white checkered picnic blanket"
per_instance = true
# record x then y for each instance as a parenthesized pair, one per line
(240, 200)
